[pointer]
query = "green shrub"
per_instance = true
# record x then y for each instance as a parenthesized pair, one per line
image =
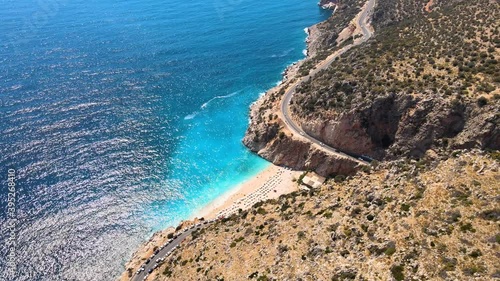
(467, 227)
(261, 211)
(482, 101)
(475, 254)
(390, 250)
(397, 272)
(339, 178)
(405, 207)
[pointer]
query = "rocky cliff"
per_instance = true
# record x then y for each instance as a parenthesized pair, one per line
(423, 97)
(398, 124)
(409, 89)
(267, 137)
(328, 4)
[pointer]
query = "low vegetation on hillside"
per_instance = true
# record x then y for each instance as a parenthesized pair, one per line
(451, 51)
(435, 219)
(427, 79)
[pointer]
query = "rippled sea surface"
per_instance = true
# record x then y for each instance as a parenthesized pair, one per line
(121, 118)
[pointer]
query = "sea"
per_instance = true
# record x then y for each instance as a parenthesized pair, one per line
(122, 118)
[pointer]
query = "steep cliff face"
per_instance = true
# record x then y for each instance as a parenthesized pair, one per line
(421, 83)
(326, 34)
(266, 136)
(301, 155)
(398, 124)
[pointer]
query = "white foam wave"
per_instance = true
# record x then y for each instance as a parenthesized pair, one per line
(191, 116)
(203, 106)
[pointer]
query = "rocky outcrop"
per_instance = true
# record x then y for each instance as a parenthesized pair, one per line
(265, 137)
(393, 125)
(301, 155)
(328, 4)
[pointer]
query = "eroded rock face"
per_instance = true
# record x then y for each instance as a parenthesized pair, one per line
(264, 137)
(384, 129)
(301, 155)
(365, 130)
(327, 4)
(404, 124)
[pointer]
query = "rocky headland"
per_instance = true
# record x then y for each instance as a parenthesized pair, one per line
(388, 99)
(421, 97)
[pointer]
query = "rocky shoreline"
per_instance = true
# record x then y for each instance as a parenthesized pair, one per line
(312, 41)
(159, 238)
(328, 4)
(269, 138)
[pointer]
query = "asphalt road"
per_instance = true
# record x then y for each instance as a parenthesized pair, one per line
(163, 253)
(285, 102)
(292, 126)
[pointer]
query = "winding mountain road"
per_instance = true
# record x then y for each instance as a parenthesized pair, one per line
(285, 102)
(292, 126)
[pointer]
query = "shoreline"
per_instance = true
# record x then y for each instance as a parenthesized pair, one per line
(270, 183)
(237, 193)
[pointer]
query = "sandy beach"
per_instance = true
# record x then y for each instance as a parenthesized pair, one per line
(268, 184)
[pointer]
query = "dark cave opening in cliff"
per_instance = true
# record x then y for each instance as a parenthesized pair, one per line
(386, 141)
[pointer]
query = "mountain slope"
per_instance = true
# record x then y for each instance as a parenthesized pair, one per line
(432, 220)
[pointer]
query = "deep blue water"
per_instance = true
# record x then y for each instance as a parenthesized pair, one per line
(121, 118)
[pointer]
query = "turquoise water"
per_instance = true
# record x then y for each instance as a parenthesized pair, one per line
(121, 118)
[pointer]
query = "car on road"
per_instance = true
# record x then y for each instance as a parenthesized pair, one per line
(150, 270)
(147, 261)
(302, 133)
